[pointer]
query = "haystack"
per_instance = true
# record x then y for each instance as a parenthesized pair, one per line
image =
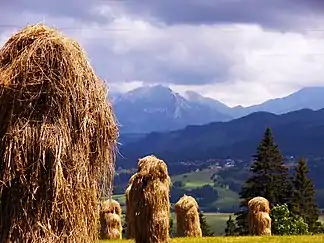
(258, 218)
(149, 202)
(110, 220)
(259, 204)
(129, 212)
(111, 206)
(188, 223)
(263, 223)
(58, 135)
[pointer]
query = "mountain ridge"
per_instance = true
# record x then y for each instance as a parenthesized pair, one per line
(159, 108)
(297, 133)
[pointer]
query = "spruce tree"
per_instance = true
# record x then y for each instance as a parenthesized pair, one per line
(205, 228)
(269, 179)
(230, 229)
(171, 226)
(303, 203)
(124, 226)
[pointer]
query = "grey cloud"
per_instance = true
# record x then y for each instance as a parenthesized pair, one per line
(77, 9)
(143, 64)
(272, 14)
(149, 69)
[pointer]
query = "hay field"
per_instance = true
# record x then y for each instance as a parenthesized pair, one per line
(271, 239)
(217, 221)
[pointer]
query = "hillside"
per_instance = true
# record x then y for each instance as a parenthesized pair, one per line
(297, 133)
(214, 196)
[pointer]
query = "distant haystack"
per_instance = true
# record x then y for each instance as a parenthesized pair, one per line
(149, 202)
(259, 219)
(263, 224)
(188, 223)
(259, 204)
(57, 138)
(111, 206)
(110, 220)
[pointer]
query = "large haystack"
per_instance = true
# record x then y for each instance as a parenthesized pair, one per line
(149, 201)
(188, 223)
(58, 136)
(110, 220)
(259, 208)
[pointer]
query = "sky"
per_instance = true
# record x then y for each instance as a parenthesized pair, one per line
(240, 52)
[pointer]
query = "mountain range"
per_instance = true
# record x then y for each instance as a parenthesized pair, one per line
(298, 133)
(158, 108)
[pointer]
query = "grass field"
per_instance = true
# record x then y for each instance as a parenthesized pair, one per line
(195, 179)
(216, 221)
(198, 179)
(271, 239)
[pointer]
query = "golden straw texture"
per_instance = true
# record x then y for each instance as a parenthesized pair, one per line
(188, 222)
(149, 202)
(58, 139)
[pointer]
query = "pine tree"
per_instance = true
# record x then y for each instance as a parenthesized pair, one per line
(171, 226)
(303, 203)
(205, 228)
(230, 229)
(269, 179)
(124, 226)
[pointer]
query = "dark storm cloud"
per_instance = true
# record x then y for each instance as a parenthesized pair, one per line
(273, 14)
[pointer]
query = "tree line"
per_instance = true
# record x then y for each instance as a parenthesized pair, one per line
(291, 197)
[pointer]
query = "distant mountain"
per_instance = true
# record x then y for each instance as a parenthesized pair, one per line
(158, 108)
(306, 98)
(297, 133)
(195, 97)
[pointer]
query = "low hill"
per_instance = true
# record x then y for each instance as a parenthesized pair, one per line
(213, 196)
(297, 133)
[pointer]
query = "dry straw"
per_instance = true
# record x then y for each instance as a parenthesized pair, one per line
(58, 136)
(258, 218)
(110, 220)
(111, 206)
(263, 224)
(149, 202)
(188, 223)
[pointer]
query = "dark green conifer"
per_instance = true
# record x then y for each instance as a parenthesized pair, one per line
(303, 203)
(230, 229)
(269, 178)
(205, 228)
